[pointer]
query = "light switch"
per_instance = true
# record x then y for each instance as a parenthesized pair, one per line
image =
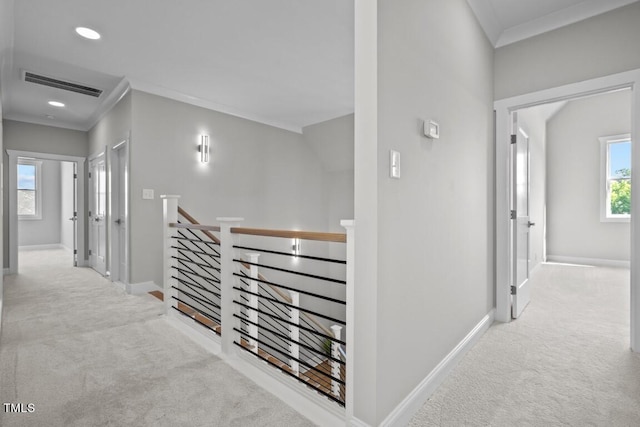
(147, 194)
(431, 129)
(394, 164)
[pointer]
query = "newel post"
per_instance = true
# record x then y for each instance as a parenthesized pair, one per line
(349, 226)
(253, 301)
(170, 216)
(227, 279)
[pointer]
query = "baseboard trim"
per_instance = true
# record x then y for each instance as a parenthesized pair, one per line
(289, 390)
(139, 288)
(599, 262)
(402, 414)
(40, 247)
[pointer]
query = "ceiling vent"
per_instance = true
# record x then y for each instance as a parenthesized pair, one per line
(61, 84)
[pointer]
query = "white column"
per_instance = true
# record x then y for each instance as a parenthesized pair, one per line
(228, 294)
(253, 301)
(349, 387)
(170, 215)
(294, 333)
(335, 366)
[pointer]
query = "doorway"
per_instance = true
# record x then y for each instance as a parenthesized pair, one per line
(119, 177)
(98, 213)
(31, 210)
(505, 272)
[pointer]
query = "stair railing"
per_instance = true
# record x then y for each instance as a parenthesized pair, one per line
(288, 320)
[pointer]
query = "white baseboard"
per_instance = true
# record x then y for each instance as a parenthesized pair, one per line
(402, 414)
(319, 410)
(139, 288)
(40, 247)
(599, 262)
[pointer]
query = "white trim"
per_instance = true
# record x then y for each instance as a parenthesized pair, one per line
(13, 194)
(504, 107)
(605, 206)
(141, 288)
(41, 247)
(403, 413)
(600, 262)
(37, 188)
(319, 410)
(150, 88)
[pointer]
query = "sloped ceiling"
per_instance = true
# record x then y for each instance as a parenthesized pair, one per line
(509, 21)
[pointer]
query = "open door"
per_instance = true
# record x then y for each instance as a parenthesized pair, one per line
(98, 214)
(520, 223)
(119, 211)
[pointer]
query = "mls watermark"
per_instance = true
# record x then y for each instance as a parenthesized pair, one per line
(24, 408)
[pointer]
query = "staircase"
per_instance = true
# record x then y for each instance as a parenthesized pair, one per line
(198, 298)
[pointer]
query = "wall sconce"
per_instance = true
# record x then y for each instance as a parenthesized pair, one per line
(295, 247)
(204, 148)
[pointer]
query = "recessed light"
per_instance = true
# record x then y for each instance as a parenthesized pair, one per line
(88, 33)
(56, 104)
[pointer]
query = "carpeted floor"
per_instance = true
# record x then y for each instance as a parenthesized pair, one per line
(565, 362)
(86, 354)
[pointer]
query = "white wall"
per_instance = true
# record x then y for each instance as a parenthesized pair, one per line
(573, 159)
(45, 231)
(266, 175)
(66, 205)
(434, 231)
(534, 124)
(332, 143)
(600, 46)
(41, 139)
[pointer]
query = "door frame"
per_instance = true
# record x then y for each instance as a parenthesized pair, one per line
(13, 202)
(107, 216)
(503, 109)
(114, 197)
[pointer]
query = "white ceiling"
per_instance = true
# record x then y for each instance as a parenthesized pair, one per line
(283, 62)
(287, 63)
(509, 21)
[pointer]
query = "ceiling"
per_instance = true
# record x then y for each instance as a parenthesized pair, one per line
(286, 63)
(509, 21)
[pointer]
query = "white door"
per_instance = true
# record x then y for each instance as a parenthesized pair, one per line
(521, 287)
(119, 205)
(98, 214)
(74, 218)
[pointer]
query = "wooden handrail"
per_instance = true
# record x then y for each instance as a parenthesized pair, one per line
(206, 231)
(292, 234)
(306, 235)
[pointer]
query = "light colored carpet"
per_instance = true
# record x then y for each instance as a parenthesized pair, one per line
(565, 362)
(87, 354)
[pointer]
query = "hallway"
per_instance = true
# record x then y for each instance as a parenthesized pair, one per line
(84, 353)
(565, 362)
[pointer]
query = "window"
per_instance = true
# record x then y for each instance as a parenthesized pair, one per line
(616, 178)
(29, 189)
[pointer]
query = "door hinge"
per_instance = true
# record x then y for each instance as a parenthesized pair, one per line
(514, 290)
(75, 252)
(89, 251)
(513, 215)
(514, 139)
(89, 174)
(89, 214)
(75, 176)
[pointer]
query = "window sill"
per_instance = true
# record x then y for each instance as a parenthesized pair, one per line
(613, 219)
(30, 218)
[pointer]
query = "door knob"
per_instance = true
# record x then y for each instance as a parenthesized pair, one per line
(118, 221)
(531, 224)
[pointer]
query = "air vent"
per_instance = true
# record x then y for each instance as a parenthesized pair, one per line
(61, 84)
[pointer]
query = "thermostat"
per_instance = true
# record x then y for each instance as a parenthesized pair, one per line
(431, 129)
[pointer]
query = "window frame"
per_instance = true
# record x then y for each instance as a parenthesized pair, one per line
(37, 191)
(605, 199)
